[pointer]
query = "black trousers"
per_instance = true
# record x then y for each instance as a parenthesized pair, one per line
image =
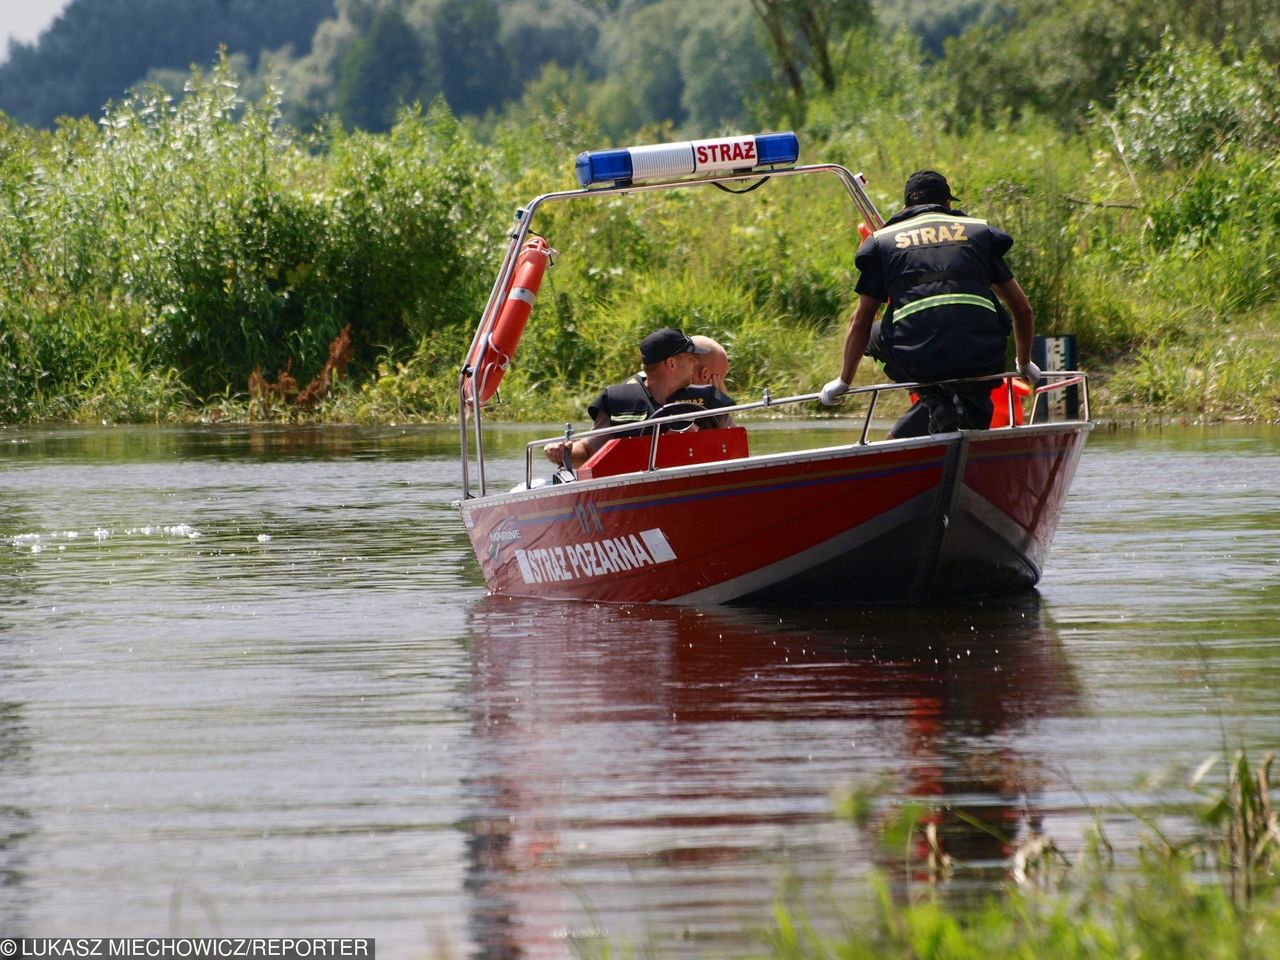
(956, 406)
(939, 409)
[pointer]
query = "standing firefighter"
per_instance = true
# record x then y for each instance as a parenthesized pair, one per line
(940, 271)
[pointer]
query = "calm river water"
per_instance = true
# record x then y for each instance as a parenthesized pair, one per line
(250, 685)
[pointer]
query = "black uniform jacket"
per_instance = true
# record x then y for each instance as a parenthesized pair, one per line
(935, 267)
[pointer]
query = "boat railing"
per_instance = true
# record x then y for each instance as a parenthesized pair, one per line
(1051, 381)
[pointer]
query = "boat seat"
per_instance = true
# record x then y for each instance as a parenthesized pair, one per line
(631, 454)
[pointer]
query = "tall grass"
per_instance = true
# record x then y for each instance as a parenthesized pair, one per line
(1213, 893)
(153, 263)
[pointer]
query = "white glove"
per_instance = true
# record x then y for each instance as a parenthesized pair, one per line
(831, 391)
(1029, 372)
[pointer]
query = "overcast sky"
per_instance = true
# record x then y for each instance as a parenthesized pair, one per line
(24, 19)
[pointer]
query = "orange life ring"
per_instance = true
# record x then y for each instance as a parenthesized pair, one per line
(499, 345)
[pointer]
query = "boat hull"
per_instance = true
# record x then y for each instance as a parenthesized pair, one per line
(964, 514)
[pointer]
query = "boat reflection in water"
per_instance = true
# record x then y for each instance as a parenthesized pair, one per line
(651, 774)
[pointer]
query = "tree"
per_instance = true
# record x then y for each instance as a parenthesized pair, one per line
(97, 49)
(380, 73)
(474, 71)
(936, 21)
(535, 33)
(1057, 58)
(803, 37)
(721, 65)
(641, 57)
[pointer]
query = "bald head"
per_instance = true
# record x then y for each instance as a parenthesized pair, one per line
(713, 366)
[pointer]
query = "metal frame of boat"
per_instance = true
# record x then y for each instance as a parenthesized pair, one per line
(961, 514)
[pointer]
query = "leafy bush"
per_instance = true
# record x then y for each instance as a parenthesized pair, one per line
(1193, 102)
(1234, 203)
(198, 240)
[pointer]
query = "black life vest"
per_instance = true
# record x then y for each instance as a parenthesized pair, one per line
(938, 266)
(630, 402)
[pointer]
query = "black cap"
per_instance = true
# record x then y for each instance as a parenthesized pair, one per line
(926, 186)
(664, 343)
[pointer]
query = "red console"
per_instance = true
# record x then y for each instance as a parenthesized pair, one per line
(631, 454)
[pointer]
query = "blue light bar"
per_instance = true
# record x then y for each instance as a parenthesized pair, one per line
(774, 148)
(664, 160)
(603, 166)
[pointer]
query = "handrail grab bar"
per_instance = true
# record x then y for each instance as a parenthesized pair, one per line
(1068, 378)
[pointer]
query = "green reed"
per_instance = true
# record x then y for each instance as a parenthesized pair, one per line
(1212, 892)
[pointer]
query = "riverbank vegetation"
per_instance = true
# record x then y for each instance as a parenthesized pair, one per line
(197, 256)
(1201, 882)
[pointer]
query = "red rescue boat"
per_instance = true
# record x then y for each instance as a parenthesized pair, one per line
(695, 518)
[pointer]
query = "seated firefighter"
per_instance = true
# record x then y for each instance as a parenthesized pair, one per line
(671, 360)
